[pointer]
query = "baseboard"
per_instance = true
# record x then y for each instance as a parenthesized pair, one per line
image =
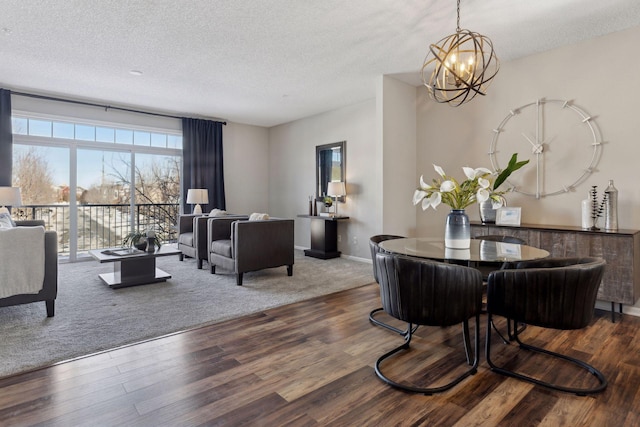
(355, 258)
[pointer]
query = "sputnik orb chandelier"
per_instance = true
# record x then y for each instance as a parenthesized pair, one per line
(463, 65)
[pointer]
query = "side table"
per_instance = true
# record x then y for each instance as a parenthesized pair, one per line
(324, 236)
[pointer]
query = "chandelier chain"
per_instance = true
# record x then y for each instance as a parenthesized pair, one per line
(458, 20)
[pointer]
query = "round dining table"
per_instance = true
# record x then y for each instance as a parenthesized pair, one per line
(479, 251)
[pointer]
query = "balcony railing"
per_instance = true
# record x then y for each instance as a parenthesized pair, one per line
(102, 226)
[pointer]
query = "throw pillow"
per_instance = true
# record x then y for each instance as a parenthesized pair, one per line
(6, 221)
(258, 217)
(217, 212)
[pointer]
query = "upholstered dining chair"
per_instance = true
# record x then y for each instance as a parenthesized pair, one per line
(374, 246)
(557, 293)
(487, 267)
(430, 293)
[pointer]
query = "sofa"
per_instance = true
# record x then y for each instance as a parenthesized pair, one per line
(192, 235)
(246, 245)
(49, 291)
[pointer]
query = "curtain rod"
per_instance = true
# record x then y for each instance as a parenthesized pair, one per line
(91, 104)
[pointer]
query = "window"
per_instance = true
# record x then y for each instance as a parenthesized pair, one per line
(94, 182)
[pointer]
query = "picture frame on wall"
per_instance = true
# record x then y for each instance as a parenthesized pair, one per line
(508, 216)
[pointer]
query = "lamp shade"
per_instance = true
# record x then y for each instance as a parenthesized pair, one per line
(10, 196)
(197, 196)
(336, 189)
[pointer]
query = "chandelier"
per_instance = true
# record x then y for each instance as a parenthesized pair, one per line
(463, 65)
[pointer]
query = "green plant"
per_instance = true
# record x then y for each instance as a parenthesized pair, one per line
(139, 237)
(460, 194)
(513, 166)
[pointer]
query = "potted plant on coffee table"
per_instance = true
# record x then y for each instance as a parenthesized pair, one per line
(138, 239)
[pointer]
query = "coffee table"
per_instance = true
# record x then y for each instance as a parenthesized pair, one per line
(133, 267)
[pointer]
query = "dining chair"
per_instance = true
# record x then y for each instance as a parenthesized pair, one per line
(557, 293)
(487, 267)
(374, 246)
(431, 293)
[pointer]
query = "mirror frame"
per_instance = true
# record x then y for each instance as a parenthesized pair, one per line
(343, 149)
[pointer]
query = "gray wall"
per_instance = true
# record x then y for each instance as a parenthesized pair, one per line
(292, 173)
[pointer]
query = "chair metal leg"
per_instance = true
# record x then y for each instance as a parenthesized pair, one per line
(579, 391)
(516, 331)
(466, 341)
(510, 335)
(377, 322)
(613, 312)
(432, 390)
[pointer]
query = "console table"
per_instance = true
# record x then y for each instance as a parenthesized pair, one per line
(324, 236)
(621, 250)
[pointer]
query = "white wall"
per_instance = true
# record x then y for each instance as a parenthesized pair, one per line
(397, 139)
(93, 114)
(246, 168)
(292, 174)
(598, 75)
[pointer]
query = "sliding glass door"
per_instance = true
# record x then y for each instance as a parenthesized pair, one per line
(103, 198)
(94, 184)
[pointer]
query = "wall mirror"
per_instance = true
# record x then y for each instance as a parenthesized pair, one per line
(330, 166)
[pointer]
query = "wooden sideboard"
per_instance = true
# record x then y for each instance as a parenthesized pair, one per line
(621, 250)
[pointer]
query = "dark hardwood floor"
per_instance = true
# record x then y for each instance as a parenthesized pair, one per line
(311, 363)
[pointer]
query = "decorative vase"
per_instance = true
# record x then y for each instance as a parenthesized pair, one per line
(151, 244)
(141, 244)
(587, 221)
(611, 208)
(457, 231)
(487, 212)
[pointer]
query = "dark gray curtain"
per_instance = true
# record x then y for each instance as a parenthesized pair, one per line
(6, 138)
(202, 161)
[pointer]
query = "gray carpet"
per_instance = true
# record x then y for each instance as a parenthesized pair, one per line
(91, 317)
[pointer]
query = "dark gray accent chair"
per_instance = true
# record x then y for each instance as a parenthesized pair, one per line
(192, 235)
(374, 246)
(556, 293)
(430, 293)
(241, 246)
(49, 290)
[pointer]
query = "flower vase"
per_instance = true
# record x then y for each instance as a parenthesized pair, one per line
(487, 212)
(457, 231)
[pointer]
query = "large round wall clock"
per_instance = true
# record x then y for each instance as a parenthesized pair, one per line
(560, 140)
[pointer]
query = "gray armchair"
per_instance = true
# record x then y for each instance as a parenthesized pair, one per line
(242, 245)
(49, 290)
(192, 235)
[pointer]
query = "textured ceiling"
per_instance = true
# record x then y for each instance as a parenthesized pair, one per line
(264, 62)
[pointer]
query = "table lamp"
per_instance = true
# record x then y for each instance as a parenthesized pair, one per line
(9, 196)
(195, 196)
(336, 189)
